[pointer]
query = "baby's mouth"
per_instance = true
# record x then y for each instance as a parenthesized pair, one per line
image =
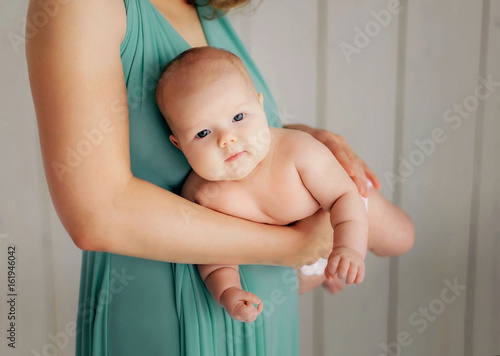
(234, 156)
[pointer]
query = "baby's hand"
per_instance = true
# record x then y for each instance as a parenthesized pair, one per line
(345, 262)
(240, 304)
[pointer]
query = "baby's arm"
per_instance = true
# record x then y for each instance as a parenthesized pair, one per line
(330, 185)
(223, 281)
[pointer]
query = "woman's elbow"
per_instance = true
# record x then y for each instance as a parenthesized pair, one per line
(88, 242)
(88, 233)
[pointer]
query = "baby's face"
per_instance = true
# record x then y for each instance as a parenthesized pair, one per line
(222, 129)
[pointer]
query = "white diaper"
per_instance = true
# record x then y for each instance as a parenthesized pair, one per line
(318, 267)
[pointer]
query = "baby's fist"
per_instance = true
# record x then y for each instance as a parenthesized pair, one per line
(346, 263)
(240, 304)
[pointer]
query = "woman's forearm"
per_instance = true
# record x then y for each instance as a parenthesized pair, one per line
(149, 222)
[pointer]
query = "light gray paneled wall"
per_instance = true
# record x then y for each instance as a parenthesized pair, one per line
(47, 263)
(483, 301)
(442, 63)
(361, 74)
(284, 48)
(24, 222)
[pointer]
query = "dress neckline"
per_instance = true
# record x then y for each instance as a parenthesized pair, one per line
(164, 19)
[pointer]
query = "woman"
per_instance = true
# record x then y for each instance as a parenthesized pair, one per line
(111, 172)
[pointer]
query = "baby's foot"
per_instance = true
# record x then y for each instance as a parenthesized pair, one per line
(241, 304)
(334, 286)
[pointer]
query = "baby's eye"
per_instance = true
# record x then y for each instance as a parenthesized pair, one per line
(202, 133)
(239, 117)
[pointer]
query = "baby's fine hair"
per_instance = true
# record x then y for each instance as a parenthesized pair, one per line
(207, 63)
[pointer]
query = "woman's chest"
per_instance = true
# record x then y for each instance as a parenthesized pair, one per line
(184, 19)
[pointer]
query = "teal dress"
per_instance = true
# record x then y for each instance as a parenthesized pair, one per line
(136, 307)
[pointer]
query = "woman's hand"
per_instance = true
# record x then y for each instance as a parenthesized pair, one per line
(354, 166)
(316, 236)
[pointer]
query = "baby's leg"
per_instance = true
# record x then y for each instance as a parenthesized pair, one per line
(223, 282)
(391, 231)
(308, 283)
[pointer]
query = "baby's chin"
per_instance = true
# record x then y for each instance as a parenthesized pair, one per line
(232, 173)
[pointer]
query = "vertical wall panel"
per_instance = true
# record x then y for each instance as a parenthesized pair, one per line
(360, 106)
(443, 43)
(66, 264)
(486, 308)
(23, 219)
(283, 44)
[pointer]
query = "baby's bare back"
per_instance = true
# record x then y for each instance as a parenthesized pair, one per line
(273, 193)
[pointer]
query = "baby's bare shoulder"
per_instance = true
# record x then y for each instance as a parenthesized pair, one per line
(297, 142)
(203, 192)
(192, 185)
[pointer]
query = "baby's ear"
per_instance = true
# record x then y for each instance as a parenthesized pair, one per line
(261, 99)
(174, 140)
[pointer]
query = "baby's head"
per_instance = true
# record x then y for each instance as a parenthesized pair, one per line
(216, 116)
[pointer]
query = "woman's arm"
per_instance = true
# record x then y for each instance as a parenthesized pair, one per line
(79, 93)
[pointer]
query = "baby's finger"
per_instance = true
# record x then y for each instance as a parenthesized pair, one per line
(250, 298)
(343, 268)
(259, 308)
(351, 274)
(333, 264)
(328, 275)
(246, 313)
(361, 274)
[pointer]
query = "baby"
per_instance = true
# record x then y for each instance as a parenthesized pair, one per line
(268, 175)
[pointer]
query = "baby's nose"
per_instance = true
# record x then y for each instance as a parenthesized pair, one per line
(226, 138)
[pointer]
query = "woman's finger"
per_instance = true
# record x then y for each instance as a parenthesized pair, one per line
(361, 183)
(341, 156)
(372, 176)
